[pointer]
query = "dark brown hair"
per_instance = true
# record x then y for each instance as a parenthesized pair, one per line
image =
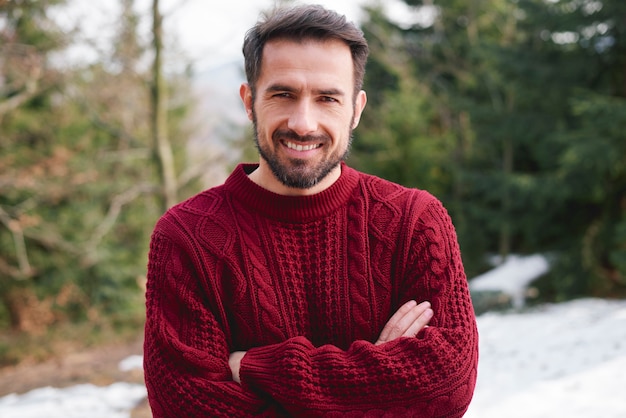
(303, 23)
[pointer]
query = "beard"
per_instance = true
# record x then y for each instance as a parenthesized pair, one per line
(294, 172)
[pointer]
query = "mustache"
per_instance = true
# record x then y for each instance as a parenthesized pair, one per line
(288, 134)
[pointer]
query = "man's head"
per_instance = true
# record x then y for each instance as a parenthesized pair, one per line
(305, 70)
(307, 22)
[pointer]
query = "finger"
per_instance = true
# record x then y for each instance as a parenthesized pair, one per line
(388, 329)
(420, 322)
(407, 321)
(413, 321)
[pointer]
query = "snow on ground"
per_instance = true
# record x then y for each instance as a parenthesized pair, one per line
(114, 401)
(562, 360)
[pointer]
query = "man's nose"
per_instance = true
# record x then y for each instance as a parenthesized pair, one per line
(303, 120)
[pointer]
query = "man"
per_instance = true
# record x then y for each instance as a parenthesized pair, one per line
(302, 287)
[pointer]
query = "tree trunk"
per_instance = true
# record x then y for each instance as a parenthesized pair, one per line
(507, 172)
(163, 155)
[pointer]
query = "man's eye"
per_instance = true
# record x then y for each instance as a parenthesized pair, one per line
(329, 99)
(282, 95)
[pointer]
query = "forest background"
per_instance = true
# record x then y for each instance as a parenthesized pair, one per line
(512, 112)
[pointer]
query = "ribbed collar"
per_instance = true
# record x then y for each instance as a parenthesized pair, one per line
(291, 208)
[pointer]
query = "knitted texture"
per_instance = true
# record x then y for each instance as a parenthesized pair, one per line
(305, 285)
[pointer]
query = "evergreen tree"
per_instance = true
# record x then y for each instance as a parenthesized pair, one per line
(590, 157)
(524, 100)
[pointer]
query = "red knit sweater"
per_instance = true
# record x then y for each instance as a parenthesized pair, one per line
(305, 286)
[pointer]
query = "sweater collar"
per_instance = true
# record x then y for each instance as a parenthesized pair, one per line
(291, 208)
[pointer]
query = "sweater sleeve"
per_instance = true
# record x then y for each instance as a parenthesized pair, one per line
(185, 350)
(430, 375)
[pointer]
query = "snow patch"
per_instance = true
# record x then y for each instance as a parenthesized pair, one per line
(131, 363)
(114, 401)
(512, 277)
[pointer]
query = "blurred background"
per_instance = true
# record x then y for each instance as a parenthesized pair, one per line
(512, 112)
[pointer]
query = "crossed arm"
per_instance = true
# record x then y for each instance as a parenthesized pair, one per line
(410, 319)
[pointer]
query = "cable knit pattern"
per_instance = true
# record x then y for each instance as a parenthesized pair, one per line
(305, 285)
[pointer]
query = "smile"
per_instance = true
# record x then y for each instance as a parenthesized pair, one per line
(298, 147)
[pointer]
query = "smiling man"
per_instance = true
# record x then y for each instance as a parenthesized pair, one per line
(303, 111)
(302, 287)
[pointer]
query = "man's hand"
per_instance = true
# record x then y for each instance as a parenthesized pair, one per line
(406, 322)
(234, 361)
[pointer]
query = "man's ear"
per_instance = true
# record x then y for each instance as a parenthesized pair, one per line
(359, 105)
(245, 92)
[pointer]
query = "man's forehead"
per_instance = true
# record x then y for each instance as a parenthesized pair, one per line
(326, 56)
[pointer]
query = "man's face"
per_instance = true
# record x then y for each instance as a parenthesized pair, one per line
(303, 113)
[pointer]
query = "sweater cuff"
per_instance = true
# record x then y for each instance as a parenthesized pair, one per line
(263, 367)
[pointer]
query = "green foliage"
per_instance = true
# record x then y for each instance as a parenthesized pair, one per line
(512, 112)
(77, 186)
(399, 137)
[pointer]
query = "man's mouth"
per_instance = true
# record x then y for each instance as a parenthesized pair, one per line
(299, 147)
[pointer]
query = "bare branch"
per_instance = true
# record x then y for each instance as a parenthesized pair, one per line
(30, 90)
(25, 269)
(28, 67)
(9, 270)
(117, 203)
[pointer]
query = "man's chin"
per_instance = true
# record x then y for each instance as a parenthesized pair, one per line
(300, 182)
(300, 176)
(298, 173)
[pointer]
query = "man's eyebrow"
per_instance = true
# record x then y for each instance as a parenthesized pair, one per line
(279, 87)
(331, 92)
(285, 88)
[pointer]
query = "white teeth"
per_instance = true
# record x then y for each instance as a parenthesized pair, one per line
(298, 147)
